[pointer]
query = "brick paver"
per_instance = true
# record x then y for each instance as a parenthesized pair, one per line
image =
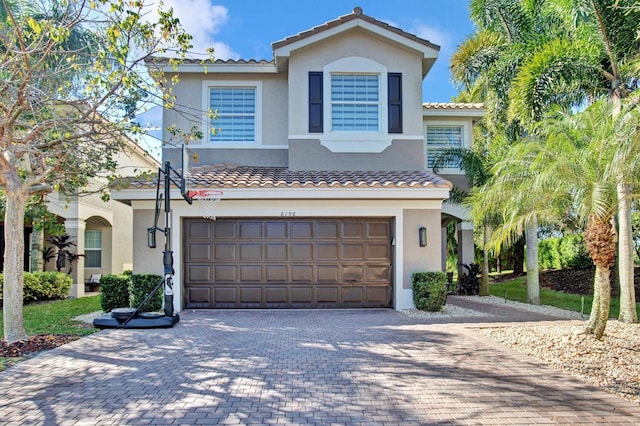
(322, 367)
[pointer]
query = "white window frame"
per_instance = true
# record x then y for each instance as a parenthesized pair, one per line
(206, 123)
(93, 249)
(349, 140)
(356, 103)
(465, 143)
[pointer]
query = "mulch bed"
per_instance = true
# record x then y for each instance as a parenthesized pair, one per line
(37, 343)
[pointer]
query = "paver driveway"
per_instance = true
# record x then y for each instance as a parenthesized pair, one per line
(297, 367)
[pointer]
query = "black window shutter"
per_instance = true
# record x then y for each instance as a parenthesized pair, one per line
(315, 102)
(395, 102)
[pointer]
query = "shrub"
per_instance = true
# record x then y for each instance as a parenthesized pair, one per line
(141, 285)
(53, 285)
(469, 283)
(569, 251)
(429, 290)
(39, 286)
(114, 292)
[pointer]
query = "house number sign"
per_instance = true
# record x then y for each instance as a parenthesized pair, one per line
(289, 213)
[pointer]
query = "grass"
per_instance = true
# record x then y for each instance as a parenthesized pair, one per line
(55, 318)
(516, 289)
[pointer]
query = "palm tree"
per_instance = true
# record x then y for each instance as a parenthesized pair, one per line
(563, 170)
(62, 242)
(586, 62)
(487, 64)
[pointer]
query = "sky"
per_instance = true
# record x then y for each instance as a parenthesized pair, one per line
(245, 29)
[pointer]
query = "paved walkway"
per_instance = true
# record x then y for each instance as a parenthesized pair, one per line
(348, 367)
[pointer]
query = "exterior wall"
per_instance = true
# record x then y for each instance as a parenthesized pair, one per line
(407, 258)
(416, 258)
(189, 111)
(311, 155)
(145, 259)
(355, 43)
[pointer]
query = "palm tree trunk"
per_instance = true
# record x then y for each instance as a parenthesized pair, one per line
(601, 302)
(533, 282)
(628, 312)
(14, 261)
(484, 281)
(37, 244)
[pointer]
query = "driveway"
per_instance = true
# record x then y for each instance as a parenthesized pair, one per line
(321, 367)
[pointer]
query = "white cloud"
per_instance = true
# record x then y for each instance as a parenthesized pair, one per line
(203, 20)
(434, 35)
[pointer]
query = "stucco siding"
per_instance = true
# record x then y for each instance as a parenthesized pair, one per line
(362, 44)
(416, 258)
(311, 155)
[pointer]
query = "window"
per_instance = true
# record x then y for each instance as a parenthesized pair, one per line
(441, 137)
(236, 108)
(355, 102)
(237, 104)
(93, 249)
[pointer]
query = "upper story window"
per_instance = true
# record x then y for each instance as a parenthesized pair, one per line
(355, 102)
(238, 112)
(93, 249)
(440, 137)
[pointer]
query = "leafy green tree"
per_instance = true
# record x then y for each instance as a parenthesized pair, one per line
(564, 169)
(592, 58)
(56, 133)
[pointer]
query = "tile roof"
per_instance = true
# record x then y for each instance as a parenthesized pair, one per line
(164, 60)
(233, 176)
(356, 14)
(452, 105)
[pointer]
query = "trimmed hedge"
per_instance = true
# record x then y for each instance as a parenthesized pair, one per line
(42, 286)
(140, 286)
(429, 290)
(114, 292)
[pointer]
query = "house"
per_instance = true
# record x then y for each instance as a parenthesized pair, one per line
(323, 155)
(101, 230)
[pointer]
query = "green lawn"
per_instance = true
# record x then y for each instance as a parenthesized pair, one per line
(55, 318)
(516, 289)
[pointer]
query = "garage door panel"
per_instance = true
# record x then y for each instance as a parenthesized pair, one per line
(353, 251)
(250, 273)
(200, 230)
(225, 295)
(199, 252)
(250, 230)
(327, 294)
(378, 230)
(352, 294)
(378, 251)
(224, 251)
(302, 273)
(276, 273)
(301, 251)
(287, 263)
(327, 273)
(225, 273)
(275, 251)
(250, 252)
(377, 273)
(301, 230)
(327, 251)
(301, 294)
(197, 273)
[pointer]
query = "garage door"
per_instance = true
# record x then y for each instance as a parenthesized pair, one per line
(287, 263)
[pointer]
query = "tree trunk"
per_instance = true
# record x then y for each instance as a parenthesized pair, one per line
(533, 283)
(17, 198)
(37, 245)
(518, 256)
(601, 302)
(484, 281)
(628, 312)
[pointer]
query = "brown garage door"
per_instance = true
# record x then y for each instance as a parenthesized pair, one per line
(287, 263)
